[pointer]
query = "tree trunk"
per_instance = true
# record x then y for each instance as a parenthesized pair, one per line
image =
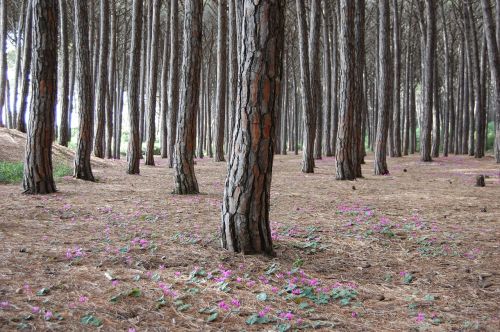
(346, 139)
(185, 179)
(233, 68)
(164, 87)
(83, 168)
(111, 81)
(62, 98)
(436, 130)
(20, 32)
(153, 82)
(308, 110)
(430, 51)
(245, 212)
(220, 97)
(25, 74)
(396, 115)
(102, 79)
(327, 82)
(173, 82)
(357, 152)
(385, 91)
(134, 144)
(335, 84)
(3, 57)
(71, 89)
(38, 177)
(494, 64)
(315, 74)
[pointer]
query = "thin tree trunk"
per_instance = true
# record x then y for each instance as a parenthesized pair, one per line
(430, 50)
(327, 82)
(110, 105)
(83, 169)
(315, 74)
(185, 179)
(134, 144)
(396, 116)
(64, 75)
(153, 82)
(3, 58)
(25, 74)
(20, 35)
(436, 130)
(173, 82)
(308, 111)
(385, 91)
(220, 97)
(164, 87)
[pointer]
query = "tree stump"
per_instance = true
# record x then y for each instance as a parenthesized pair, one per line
(480, 181)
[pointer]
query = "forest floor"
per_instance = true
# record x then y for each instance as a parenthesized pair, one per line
(415, 250)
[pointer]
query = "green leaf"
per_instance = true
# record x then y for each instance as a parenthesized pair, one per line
(262, 296)
(213, 317)
(303, 305)
(271, 269)
(252, 319)
(155, 277)
(284, 327)
(91, 320)
(184, 307)
(43, 292)
(135, 292)
(408, 278)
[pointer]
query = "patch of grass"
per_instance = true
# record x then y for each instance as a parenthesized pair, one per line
(12, 173)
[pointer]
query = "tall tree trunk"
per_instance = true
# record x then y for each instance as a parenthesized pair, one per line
(245, 211)
(102, 79)
(153, 82)
(20, 32)
(164, 87)
(327, 82)
(284, 118)
(494, 64)
(346, 139)
(134, 144)
(185, 179)
(220, 97)
(430, 51)
(448, 97)
(385, 91)
(111, 81)
(436, 130)
(315, 74)
(64, 75)
(38, 177)
(308, 110)
(83, 168)
(233, 67)
(357, 152)
(335, 84)
(173, 82)
(119, 108)
(396, 115)
(25, 74)
(3, 57)
(143, 72)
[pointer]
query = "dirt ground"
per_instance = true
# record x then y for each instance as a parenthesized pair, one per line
(415, 250)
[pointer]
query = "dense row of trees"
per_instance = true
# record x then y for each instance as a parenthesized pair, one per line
(243, 80)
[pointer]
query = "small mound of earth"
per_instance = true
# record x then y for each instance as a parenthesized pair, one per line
(13, 145)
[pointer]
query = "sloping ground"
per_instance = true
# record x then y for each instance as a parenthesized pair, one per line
(13, 145)
(415, 250)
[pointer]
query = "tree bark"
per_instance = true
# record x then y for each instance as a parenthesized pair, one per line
(173, 82)
(327, 82)
(185, 179)
(102, 79)
(83, 168)
(25, 74)
(134, 144)
(245, 212)
(20, 32)
(494, 64)
(63, 96)
(3, 57)
(233, 67)
(153, 82)
(315, 74)
(220, 97)
(308, 110)
(396, 115)
(164, 87)
(110, 97)
(38, 177)
(385, 91)
(430, 51)
(346, 139)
